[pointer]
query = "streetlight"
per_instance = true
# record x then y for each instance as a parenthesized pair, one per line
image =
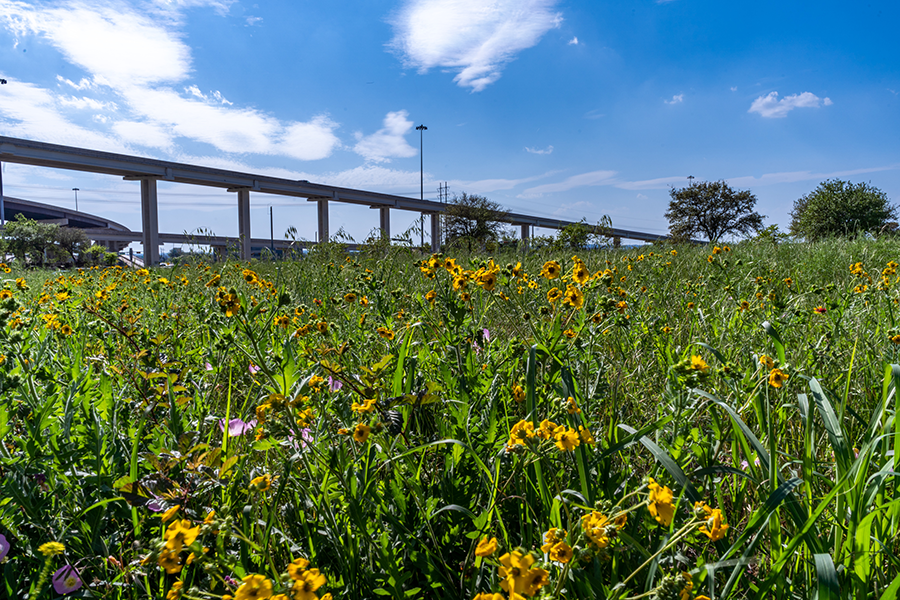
(421, 129)
(76, 198)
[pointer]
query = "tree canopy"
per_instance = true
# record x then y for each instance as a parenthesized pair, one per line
(839, 207)
(712, 209)
(472, 219)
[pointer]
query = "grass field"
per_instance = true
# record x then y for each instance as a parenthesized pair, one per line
(667, 422)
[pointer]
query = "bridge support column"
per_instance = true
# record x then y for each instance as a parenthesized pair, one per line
(149, 221)
(525, 236)
(323, 219)
(435, 232)
(244, 223)
(385, 222)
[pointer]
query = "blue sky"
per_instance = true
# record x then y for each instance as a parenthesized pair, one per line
(560, 108)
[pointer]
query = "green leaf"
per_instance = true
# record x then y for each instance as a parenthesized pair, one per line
(827, 576)
(776, 340)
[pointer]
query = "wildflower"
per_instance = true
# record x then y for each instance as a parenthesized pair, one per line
(767, 362)
(361, 433)
(820, 310)
(305, 587)
(573, 297)
(175, 591)
(690, 305)
(554, 294)
(254, 587)
(4, 547)
(366, 407)
(489, 596)
(572, 407)
(570, 333)
(895, 338)
(349, 297)
(561, 552)
(744, 305)
(777, 378)
(551, 270)
(167, 516)
(322, 327)
(297, 567)
(514, 570)
(5, 294)
(168, 560)
(261, 483)
(51, 549)
(595, 526)
(66, 329)
(713, 527)
(660, 505)
(521, 432)
(237, 427)
(580, 273)
(552, 537)
(385, 333)
(282, 321)
(488, 280)
(585, 435)
(698, 364)
(486, 547)
(567, 440)
(253, 369)
(66, 580)
(430, 296)
(180, 533)
(519, 393)
(547, 429)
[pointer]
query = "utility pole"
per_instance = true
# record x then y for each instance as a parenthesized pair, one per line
(691, 179)
(76, 198)
(272, 232)
(421, 129)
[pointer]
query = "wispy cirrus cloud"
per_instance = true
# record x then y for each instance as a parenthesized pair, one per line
(547, 150)
(771, 107)
(676, 99)
(575, 181)
(475, 38)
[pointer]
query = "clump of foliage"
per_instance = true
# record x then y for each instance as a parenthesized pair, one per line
(39, 244)
(472, 221)
(666, 422)
(712, 209)
(838, 208)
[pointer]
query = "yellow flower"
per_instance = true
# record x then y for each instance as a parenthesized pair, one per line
(767, 362)
(698, 364)
(572, 407)
(51, 549)
(486, 547)
(580, 273)
(254, 587)
(570, 333)
(349, 297)
(547, 429)
(660, 505)
(167, 516)
(180, 533)
(514, 571)
(261, 483)
(567, 440)
(297, 567)
(430, 296)
(561, 552)
(777, 378)
(305, 587)
(322, 327)
(385, 333)
(366, 407)
(521, 432)
(714, 528)
(361, 433)
(168, 560)
(552, 537)
(551, 269)
(573, 297)
(585, 436)
(175, 591)
(554, 294)
(519, 393)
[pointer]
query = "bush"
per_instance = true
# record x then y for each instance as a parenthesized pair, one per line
(840, 208)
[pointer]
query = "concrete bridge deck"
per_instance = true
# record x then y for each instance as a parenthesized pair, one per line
(148, 171)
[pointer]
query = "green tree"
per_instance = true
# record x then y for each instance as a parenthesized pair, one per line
(712, 209)
(473, 220)
(29, 239)
(839, 207)
(578, 236)
(72, 241)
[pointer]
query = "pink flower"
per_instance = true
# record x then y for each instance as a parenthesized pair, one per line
(334, 384)
(487, 334)
(208, 367)
(744, 464)
(66, 580)
(4, 546)
(237, 427)
(253, 369)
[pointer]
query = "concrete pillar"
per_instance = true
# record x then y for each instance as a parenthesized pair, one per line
(526, 230)
(244, 222)
(149, 222)
(385, 225)
(323, 219)
(435, 232)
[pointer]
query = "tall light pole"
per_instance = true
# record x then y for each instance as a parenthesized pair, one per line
(76, 198)
(421, 129)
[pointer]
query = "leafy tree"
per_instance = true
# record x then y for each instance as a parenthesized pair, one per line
(839, 207)
(27, 238)
(72, 241)
(471, 219)
(713, 209)
(578, 236)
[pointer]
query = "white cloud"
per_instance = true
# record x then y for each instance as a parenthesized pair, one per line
(641, 197)
(677, 99)
(584, 179)
(473, 37)
(133, 57)
(485, 186)
(389, 141)
(143, 134)
(659, 183)
(568, 209)
(547, 150)
(573, 41)
(594, 114)
(251, 21)
(734, 88)
(771, 107)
